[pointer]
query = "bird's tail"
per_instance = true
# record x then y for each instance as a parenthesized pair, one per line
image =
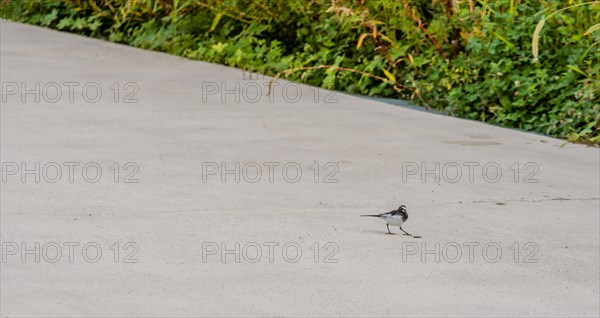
(373, 215)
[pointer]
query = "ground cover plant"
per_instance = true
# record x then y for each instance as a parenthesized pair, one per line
(532, 65)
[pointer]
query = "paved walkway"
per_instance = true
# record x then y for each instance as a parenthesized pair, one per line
(166, 139)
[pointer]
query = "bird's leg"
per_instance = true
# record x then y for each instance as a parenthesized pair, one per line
(388, 227)
(404, 231)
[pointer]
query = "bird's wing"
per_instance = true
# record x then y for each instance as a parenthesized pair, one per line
(395, 212)
(389, 213)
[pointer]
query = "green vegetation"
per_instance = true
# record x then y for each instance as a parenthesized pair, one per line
(492, 61)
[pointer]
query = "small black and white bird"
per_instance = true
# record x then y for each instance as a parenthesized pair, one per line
(396, 217)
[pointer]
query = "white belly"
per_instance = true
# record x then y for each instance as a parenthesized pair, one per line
(393, 220)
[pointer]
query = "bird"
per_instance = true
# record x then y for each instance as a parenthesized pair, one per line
(395, 217)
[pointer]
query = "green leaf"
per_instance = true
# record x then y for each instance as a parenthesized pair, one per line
(503, 39)
(574, 68)
(389, 75)
(215, 22)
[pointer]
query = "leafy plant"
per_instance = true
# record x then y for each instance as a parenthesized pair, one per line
(532, 65)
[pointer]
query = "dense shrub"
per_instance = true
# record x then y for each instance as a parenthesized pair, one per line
(472, 59)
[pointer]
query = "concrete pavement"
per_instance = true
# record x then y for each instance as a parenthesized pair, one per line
(135, 183)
